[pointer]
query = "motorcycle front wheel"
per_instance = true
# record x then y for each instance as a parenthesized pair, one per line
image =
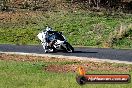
(69, 48)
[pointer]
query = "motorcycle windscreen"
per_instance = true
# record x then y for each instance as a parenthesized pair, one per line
(40, 36)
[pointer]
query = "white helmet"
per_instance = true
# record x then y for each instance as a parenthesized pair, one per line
(48, 29)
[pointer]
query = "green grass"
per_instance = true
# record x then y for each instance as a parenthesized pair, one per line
(16, 74)
(80, 28)
(125, 41)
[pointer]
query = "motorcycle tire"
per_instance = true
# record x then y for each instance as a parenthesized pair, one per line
(69, 48)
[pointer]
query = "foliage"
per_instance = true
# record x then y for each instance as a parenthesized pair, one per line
(80, 28)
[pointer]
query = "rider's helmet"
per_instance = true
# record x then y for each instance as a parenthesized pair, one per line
(48, 29)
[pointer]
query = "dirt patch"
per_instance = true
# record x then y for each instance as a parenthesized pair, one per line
(17, 16)
(88, 67)
(33, 58)
(61, 68)
(70, 65)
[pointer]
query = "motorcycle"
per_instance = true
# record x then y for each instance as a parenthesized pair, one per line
(58, 43)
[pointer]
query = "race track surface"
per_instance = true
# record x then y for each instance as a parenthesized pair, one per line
(101, 53)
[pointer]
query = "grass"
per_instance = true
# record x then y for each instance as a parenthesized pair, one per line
(121, 36)
(14, 74)
(28, 75)
(80, 28)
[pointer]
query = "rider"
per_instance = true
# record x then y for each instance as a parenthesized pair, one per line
(47, 39)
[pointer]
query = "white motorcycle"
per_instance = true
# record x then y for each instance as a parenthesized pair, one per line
(58, 43)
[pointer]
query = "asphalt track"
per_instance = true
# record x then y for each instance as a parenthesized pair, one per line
(101, 53)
